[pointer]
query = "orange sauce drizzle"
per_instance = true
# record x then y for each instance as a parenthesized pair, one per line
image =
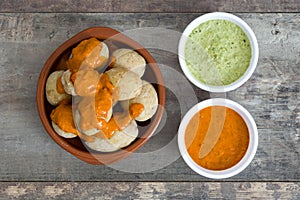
(120, 120)
(59, 86)
(85, 55)
(86, 82)
(62, 116)
(94, 109)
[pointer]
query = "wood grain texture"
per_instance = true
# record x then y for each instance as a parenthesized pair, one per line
(150, 190)
(144, 6)
(271, 96)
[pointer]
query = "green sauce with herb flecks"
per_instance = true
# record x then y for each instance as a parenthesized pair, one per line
(217, 52)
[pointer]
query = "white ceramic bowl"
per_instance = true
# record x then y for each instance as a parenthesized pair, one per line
(225, 16)
(252, 147)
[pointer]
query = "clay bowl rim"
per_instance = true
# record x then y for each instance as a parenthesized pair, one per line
(102, 33)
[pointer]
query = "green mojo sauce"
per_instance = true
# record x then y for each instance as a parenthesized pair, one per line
(217, 52)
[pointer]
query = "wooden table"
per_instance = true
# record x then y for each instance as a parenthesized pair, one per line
(33, 166)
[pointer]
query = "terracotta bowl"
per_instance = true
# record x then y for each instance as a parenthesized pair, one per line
(56, 61)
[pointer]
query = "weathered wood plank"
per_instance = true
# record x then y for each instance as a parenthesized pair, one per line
(150, 190)
(271, 96)
(145, 6)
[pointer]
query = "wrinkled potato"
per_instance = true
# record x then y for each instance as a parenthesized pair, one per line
(119, 140)
(67, 83)
(128, 83)
(52, 94)
(147, 97)
(62, 133)
(130, 60)
(104, 51)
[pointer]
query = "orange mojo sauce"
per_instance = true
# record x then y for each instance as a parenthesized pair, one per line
(121, 120)
(94, 109)
(86, 55)
(62, 116)
(86, 82)
(228, 148)
(59, 86)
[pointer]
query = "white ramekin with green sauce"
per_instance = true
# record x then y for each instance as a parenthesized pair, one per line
(218, 52)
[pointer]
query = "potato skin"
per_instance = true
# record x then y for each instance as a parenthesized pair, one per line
(62, 133)
(52, 95)
(119, 140)
(130, 60)
(67, 83)
(147, 97)
(129, 83)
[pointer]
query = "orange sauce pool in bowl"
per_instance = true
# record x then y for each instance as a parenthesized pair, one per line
(216, 138)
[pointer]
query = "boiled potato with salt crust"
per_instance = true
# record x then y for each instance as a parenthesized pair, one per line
(147, 97)
(62, 133)
(119, 140)
(130, 60)
(52, 95)
(128, 83)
